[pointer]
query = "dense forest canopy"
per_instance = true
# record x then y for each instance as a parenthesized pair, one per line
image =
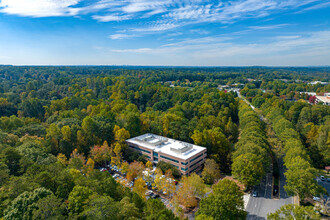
(57, 123)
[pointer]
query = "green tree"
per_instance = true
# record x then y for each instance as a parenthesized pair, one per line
(23, 206)
(33, 108)
(211, 171)
(49, 207)
(4, 173)
(203, 217)
(225, 202)
(11, 157)
(248, 169)
(77, 199)
(101, 207)
(301, 179)
(216, 143)
(156, 210)
(128, 209)
(66, 133)
(292, 212)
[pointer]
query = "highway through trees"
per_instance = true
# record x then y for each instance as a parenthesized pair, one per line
(258, 207)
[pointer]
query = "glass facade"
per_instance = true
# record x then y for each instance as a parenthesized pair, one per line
(195, 163)
(140, 149)
(170, 159)
(196, 158)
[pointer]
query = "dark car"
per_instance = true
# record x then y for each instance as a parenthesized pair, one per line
(275, 190)
(154, 196)
(322, 178)
(255, 194)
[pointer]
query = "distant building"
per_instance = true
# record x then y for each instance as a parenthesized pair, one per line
(316, 82)
(186, 157)
(324, 99)
(308, 93)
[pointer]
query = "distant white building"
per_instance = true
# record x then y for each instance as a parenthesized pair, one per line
(316, 82)
(309, 93)
(324, 99)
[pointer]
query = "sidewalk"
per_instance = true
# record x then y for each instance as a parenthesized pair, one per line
(246, 199)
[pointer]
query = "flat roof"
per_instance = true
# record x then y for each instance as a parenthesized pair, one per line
(171, 147)
(325, 99)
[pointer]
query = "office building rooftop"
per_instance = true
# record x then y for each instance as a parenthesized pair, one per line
(167, 146)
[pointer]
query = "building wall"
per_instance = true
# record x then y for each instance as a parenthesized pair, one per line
(184, 166)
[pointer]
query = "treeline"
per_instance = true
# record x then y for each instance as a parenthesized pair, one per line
(57, 190)
(251, 157)
(257, 91)
(300, 175)
(311, 123)
(56, 127)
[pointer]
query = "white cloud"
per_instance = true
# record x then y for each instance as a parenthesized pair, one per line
(139, 50)
(303, 49)
(39, 8)
(268, 27)
(158, 26)
(113, 17)
(314, 7)
(121, 36)
(170, 14)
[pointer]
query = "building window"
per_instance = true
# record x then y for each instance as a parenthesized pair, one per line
(170, 159)
(196, 163)
(196, 158)
(156, 159)
(155, 154)
(140, 149)
(184, 169)
(184, 163)
(194, 169)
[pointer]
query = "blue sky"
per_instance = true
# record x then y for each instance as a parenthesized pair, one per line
(165, 32)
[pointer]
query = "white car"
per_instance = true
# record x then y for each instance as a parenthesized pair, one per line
(315, 198)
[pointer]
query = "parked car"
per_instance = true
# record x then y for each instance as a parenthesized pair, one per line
(328, 179)
(275, 190)
(322, 178)
(154, 196)
(255, 193)
(115, 176)
(315, 198)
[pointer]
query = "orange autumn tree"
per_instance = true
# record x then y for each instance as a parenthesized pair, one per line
(185, 195)
(135, 170)
(101, 154)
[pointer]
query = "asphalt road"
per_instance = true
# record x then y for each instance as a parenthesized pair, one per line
(324, 184)
(258, 207)
(283, 194)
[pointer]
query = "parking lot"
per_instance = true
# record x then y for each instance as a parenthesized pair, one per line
(324, 183)
(151, 193)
